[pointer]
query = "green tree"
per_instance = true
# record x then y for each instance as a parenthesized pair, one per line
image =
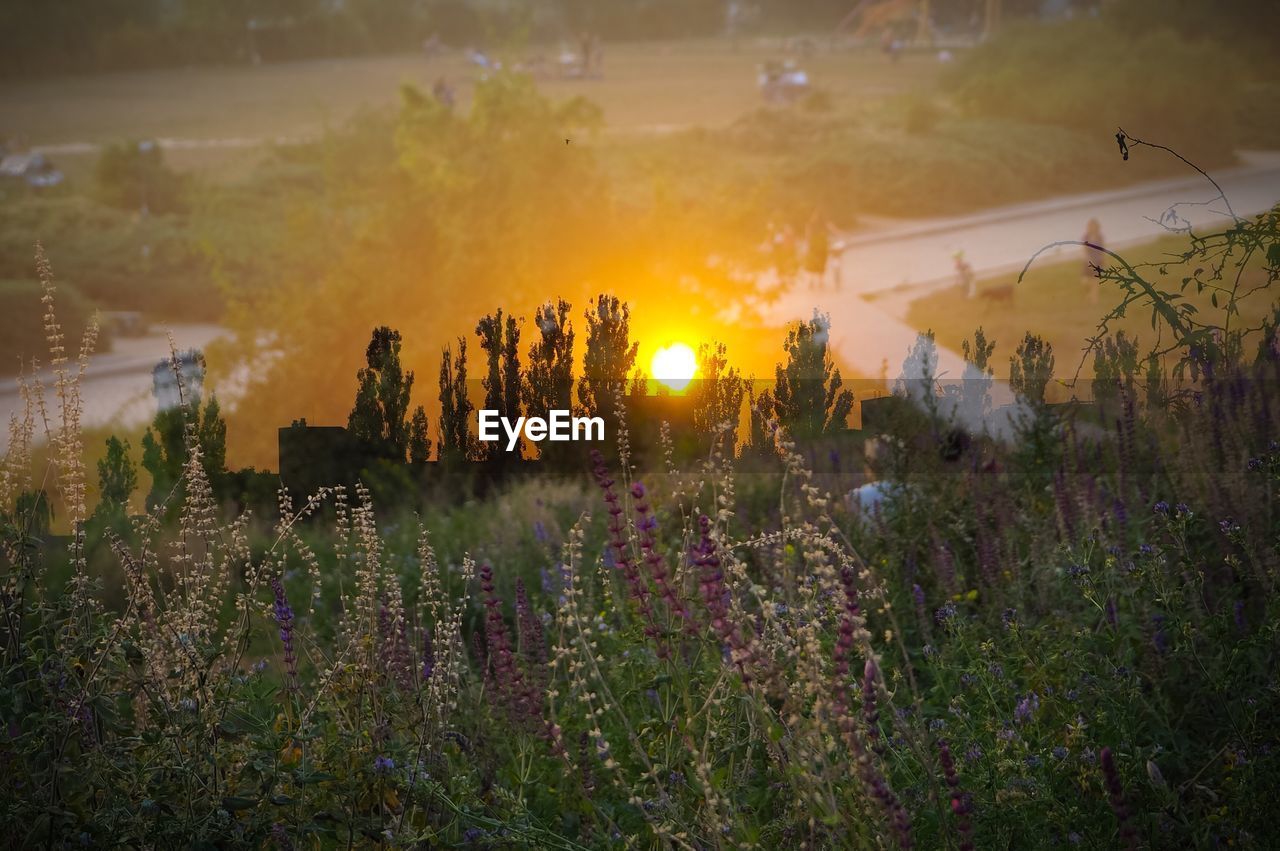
(164, 444)
(456, 441)
(1031, 369)
(500, 341)
(117, 477)
(975, 384)
(133, 176)
(548, 383)
(807, 399)
(378, 419)
(419, 440)
(164, 449)
(716, 395)
(609, 359)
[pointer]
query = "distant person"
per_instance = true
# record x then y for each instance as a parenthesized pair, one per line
(1094, 257)
(817, 250)
(965, 276)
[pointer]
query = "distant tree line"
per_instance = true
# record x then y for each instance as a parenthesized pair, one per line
(61, 36)
(806, 398)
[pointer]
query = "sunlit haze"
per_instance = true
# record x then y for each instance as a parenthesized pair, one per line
(674, 366)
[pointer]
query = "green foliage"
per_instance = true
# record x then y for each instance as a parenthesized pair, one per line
(501, 344)
(1089, 76)
(133, 176)
(548, 382)
(716, 396)
(111, 257)
(419, 441)
(21, 340)
(379, 418)
(31, 516)
(1031, 369)
(1084, 657)
(806, 398)
(457, 443)
(609, 359)
(117, 476)
(165, 454)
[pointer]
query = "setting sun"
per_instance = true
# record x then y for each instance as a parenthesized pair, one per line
(674, 366)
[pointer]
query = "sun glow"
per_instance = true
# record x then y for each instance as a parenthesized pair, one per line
(674, 366)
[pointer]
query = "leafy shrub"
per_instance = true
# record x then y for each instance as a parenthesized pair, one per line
(1088, 76)
(22, 339)
(133, 176)
(114, 258)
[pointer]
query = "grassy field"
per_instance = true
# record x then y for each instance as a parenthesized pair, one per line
(649, 86)
(1056, 301)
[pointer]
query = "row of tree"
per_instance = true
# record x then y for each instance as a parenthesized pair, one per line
(806, 398)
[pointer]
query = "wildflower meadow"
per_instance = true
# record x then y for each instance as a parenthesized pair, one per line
(1061, 635)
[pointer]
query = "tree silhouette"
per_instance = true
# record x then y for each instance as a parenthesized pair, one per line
(419, 439)
(378, 420)
(716, 395)
(1030, 369)
(548, 383)
(609, 358)
(807, 399)
(456, 441)
(975, 386)
(501, 341)
(164, 448)
(117, 476)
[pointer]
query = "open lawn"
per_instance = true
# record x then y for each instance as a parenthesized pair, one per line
(1055, 301)
(646, 86)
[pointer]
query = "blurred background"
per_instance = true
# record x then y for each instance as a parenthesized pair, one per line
(269, 180)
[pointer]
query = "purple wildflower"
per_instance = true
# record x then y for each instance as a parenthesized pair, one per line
(280, 836)
(1115, 796)
(961, 801)
(715, 596)
(1161, 507)
(621, 558)
(383, 765)
(284, 617)
(1026, 708)
(654, 560)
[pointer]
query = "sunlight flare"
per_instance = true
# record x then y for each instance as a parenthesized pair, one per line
(674, 366)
